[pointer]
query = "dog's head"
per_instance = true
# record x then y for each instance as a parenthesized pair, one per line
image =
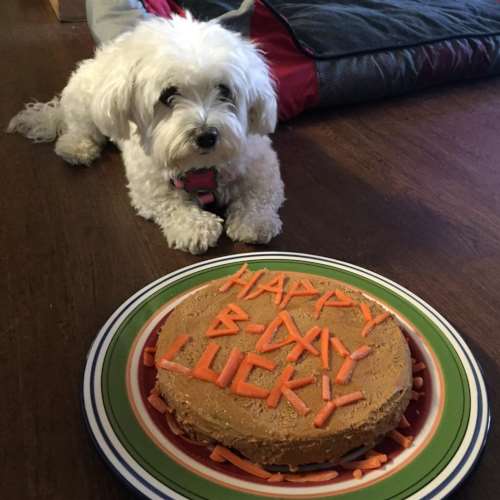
(193, 89)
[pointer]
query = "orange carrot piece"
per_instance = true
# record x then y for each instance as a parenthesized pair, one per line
(265, 338)
(230, 368)
(300, 407)
(275, 394)
(320, 303)
(298, 383)
(298, 349)
(151, 350)
(342, 296)
(243, 388)
(382, 457)
(277, 477)
(366, 311)
(227, 317)
(339, 347)
(255, 328)
(179, 342)
(361, 352)
(251, 390)
(234, 279)
(157, 403)
(404, 423)
(381, 317)
(241, 463)
(174, 367)
(345, 372)
(253, 280)
(216, 457)
(324, 414)
(401, 439)
(261, 361)
(277, 345)
(275, 286)
(173, 425)
(202, 369)
(418, 382)
(243, 371)
(312, 477)
(370, 325)
(326, 393)
(325, 351)
(366, 464)
(348, 399)
(294, 333)
(148, 359)
(357, 473)
(296, 291)
(418, 367)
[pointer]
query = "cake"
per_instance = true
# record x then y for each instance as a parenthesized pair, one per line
(284, 368)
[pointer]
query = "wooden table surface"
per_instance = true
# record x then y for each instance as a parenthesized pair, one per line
(409, 188)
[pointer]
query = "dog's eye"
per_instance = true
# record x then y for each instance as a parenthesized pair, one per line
(224, 92)
(168, 95)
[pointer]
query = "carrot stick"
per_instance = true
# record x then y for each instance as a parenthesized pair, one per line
(157, 403)
(260, 361)
(294, 332)
(361, 352)
(381, 318)
(403, 423)
(275, 394)
(418, 367)
(151, 350)
(202, 369)
(300, 407)
(275, 286)
(345, 372)
(277, 477)
(179, 342)
(255, 328)
(251, 391)
(367, 464)
(148, 359)
(342, 296)
(312, 477)
(320, 303)
(418, 382)
(382, 457)
(230, 368)
(348, 399)
(325, 352)
(216, 457)
(255, 277)
(295, 291)
(173, 425)
(243, 371)
(266, 337)
(298, 383)
(241, 463)
(277, 345)
(369, 326)
(357, 473)
(324, 414)
(234, 279)
(404, 441)
(297, 351)
(339, 347)
(366, 311)
(325, 388)
(174, 367)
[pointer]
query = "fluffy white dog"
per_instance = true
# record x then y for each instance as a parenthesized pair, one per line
(190, 105)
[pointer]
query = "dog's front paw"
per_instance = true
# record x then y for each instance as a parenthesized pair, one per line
(77, 150)
(254, 228)
(194, 233)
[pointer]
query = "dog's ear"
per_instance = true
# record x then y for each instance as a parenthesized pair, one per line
(262, 105)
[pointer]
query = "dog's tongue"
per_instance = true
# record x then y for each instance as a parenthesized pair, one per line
(199, 180)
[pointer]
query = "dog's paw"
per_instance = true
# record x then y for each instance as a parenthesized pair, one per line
(77, 150)
(196, 233)
(255, 228)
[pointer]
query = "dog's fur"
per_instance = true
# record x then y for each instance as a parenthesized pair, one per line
(117, 95)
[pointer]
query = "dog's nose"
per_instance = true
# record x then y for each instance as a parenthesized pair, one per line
(208, 138)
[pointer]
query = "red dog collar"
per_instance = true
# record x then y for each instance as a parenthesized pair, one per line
(201, 182)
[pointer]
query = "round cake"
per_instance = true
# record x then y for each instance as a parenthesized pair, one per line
(285, 368)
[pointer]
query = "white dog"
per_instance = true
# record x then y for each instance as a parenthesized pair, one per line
(190, 105)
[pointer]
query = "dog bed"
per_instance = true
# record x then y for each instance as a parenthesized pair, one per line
(333, 52)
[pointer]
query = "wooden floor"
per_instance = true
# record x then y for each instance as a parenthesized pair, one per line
(409, 188)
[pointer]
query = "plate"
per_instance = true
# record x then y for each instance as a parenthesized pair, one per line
(453, 419)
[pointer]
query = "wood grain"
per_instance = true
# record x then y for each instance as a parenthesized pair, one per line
(408, 188)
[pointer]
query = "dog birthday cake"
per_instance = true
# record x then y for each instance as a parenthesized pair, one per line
(283, 368)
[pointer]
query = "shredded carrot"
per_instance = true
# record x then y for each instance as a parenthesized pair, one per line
(179, 342)
(202, 369)
(325, 344)
(243, 371)
(294, 333)
(173, 425)
(275, 394)
(366, 464)
(241, 463)
(216, 457)
(299, 288)
(234, 279)
(255, 328)
(158, 404)
(339, 347)
(348, 399)
(418, 382)
(404, 441)
(418, 367)
(151, 350)
(404, 423)
(277, 477)
(174, 367)
(325, 388)
(345, 372)
(298, 383)
(300, 407)
(382, 457)
(366, 311)
(250, 390)
(275, 286)
(253, 280)
(298, 349)
(361, 352)
(324, 414)
(230, 367)
(357, 473)
(312, 477)
(148, 359)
